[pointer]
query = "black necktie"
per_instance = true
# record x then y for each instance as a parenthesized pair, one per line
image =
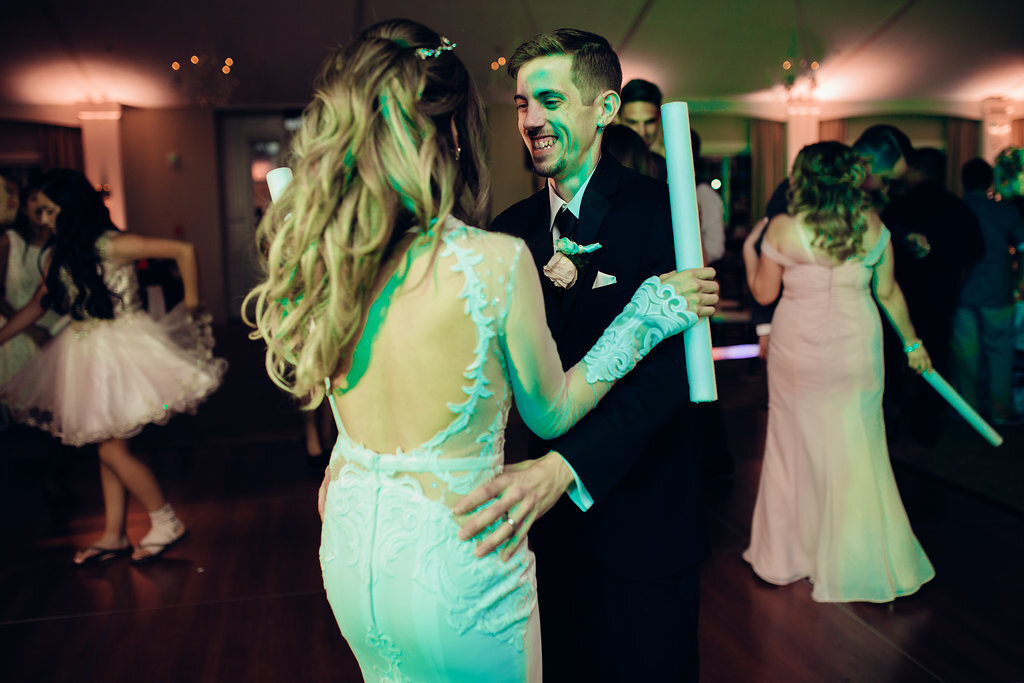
(566, 222)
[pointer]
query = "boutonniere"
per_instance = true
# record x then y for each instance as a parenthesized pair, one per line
(564, 267)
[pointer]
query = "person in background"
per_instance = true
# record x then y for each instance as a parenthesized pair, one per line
(827, 505)
(624, 145)
(884, 149)
(641, 111)
(113, 370)
(983, 339)
(709, 211)
(9, 202)
(930, 278)
(24, 247)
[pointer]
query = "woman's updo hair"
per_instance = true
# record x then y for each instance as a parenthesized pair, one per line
(377, 157)
(826, 185)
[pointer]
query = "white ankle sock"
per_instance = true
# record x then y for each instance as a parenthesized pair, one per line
(164, 517)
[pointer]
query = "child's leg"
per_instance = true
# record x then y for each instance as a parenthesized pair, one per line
(115, 499)
(133, 473)
(139, 480)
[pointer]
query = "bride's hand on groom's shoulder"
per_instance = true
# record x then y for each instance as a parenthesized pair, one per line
(517, 498)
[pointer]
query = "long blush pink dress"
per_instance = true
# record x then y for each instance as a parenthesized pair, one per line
(827, 507)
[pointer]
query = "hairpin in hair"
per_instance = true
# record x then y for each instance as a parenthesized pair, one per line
(446, 45)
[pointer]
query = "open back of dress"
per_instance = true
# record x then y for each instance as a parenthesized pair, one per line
(406, 453)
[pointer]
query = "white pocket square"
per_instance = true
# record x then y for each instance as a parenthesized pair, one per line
(603, 280)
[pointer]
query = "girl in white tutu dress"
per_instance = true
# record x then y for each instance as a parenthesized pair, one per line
(114, 369)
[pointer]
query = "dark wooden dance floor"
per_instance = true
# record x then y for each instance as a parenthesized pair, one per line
(242, 600)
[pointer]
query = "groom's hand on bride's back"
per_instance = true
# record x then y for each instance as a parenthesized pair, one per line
(518, 497)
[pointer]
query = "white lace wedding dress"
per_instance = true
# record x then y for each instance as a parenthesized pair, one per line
(467, 333)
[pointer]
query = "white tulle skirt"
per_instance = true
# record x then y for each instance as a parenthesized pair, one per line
(104, 379)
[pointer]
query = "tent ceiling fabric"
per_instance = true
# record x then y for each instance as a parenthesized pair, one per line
(60, 52)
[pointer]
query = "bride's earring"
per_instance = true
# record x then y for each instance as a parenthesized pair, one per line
(458, 151)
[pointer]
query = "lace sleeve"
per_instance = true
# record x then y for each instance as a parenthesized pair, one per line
(551, 400)
(654, 313)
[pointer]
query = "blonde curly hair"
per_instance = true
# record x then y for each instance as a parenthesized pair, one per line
(826, 184)
(374, 161)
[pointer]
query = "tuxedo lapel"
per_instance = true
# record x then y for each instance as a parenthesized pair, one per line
(597, 200)
(538, 238)
(538, 235)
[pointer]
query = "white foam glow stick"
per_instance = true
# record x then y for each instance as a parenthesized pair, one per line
(963, 407)
(682, 189)
(277, 179)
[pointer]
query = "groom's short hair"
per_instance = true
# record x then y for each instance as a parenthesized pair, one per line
(595, 66)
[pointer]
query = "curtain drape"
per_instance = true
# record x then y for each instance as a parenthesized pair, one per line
(1017, 133)
(962, 140)
(767, 163)
(832, 130)
(60, 147)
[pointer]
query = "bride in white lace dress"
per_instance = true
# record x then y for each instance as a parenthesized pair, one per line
(420, 330)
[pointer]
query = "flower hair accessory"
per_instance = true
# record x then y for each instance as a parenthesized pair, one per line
(564, 267)
(445, 46)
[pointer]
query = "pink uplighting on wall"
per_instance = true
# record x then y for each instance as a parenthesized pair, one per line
(259, 169)
(648, 71)
(65, 82)
(1005, 80)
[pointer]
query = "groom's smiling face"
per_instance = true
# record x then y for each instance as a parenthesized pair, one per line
(559, 127)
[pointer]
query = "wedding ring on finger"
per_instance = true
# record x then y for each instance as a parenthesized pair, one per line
(510, 521)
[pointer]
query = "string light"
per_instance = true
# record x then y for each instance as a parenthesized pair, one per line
(208, 83)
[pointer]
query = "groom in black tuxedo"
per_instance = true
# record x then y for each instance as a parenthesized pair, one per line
(617, 558)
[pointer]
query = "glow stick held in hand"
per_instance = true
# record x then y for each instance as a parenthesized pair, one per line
(682, 190)
(277, 180)
(963, 407)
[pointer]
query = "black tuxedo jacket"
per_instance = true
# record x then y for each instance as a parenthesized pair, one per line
(633, 451)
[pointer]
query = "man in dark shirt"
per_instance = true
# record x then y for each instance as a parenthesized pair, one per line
(930, 272)
(983, 323)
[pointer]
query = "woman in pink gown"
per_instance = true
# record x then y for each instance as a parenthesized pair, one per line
(827, 507)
